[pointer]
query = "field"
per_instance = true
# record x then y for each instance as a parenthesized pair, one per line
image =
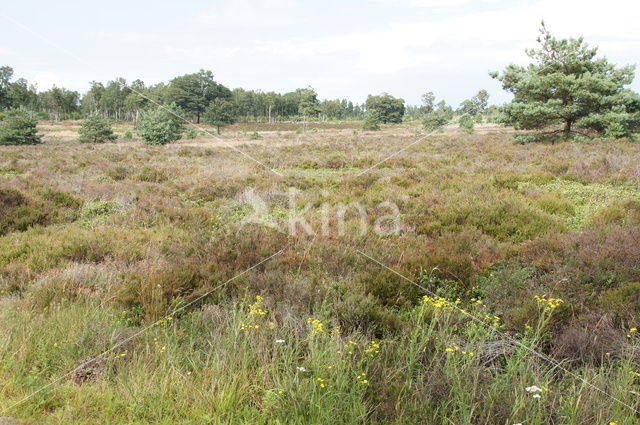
(273, 276)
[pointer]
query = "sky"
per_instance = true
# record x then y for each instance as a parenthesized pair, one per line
(341, 48)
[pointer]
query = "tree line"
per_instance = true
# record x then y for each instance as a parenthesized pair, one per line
(192, 93)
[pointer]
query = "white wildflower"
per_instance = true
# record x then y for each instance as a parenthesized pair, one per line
(279, 341)
(301, 369)
(533, 389)
(536, 396)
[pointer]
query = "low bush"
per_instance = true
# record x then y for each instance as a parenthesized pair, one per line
(161, 126)
(17, 213)
(96, 129)
(466, 123)
(18, 128)
(623, 303)
(506, 218)
(152, 175)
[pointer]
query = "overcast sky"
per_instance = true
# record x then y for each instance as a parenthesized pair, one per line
(342, 48)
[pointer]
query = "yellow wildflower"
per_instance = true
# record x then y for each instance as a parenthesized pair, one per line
(317, 327)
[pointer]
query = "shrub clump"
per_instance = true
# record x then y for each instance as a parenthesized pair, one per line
(161, 126)
(16, 213)
(96, 129)
(371, 122)
(507, 220)
(466, 123)
(18, 128)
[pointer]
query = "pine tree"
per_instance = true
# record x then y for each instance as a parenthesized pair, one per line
(18, 128)
(161, 126)
(568, 87)
(96, 129)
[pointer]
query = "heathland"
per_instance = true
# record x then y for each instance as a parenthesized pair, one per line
(502, 287)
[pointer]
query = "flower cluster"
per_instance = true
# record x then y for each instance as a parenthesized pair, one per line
(362, 378)
(632, 331)
(492, 320)
(439, 302)
(457, 349)
(258, 308)
(373, 348)
(247, 327)
(317, 327)
(550, 303)
(477, 301)
(535, 391)
(257, 311)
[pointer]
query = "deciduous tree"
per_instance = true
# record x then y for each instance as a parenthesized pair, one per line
(388, 109)
(220, 112)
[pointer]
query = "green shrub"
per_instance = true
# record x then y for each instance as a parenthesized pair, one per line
(128, 135)
(255, 136)
(191, 133)
(161, 126)
(466, 123)
(436, 120)
(18, 128)
(555, 204)
(371, 122)
(389, 289)
(620, 212)
(96, 129)
(623, 303)
(359, 312)
(506, 219)
(61, 199)
(17, 214)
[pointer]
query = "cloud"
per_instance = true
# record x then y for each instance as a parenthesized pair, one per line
(44, 81)
(484, 33)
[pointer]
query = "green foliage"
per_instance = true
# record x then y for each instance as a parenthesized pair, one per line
(18, 128)
(161, 125)
(387, 108)
(428, 103)
(567, 85)
(623, 303)
(438, 118)
(193, 93)
(61, 199)
(191, 133)
(17, 213)
(96, 129)
(466, 123)
(220, 112)
(255, 136)
(308, 105)
(555, 204)
(477, 105)
(371, 121)
(332, 109)
(128, 135)
(506, 219)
